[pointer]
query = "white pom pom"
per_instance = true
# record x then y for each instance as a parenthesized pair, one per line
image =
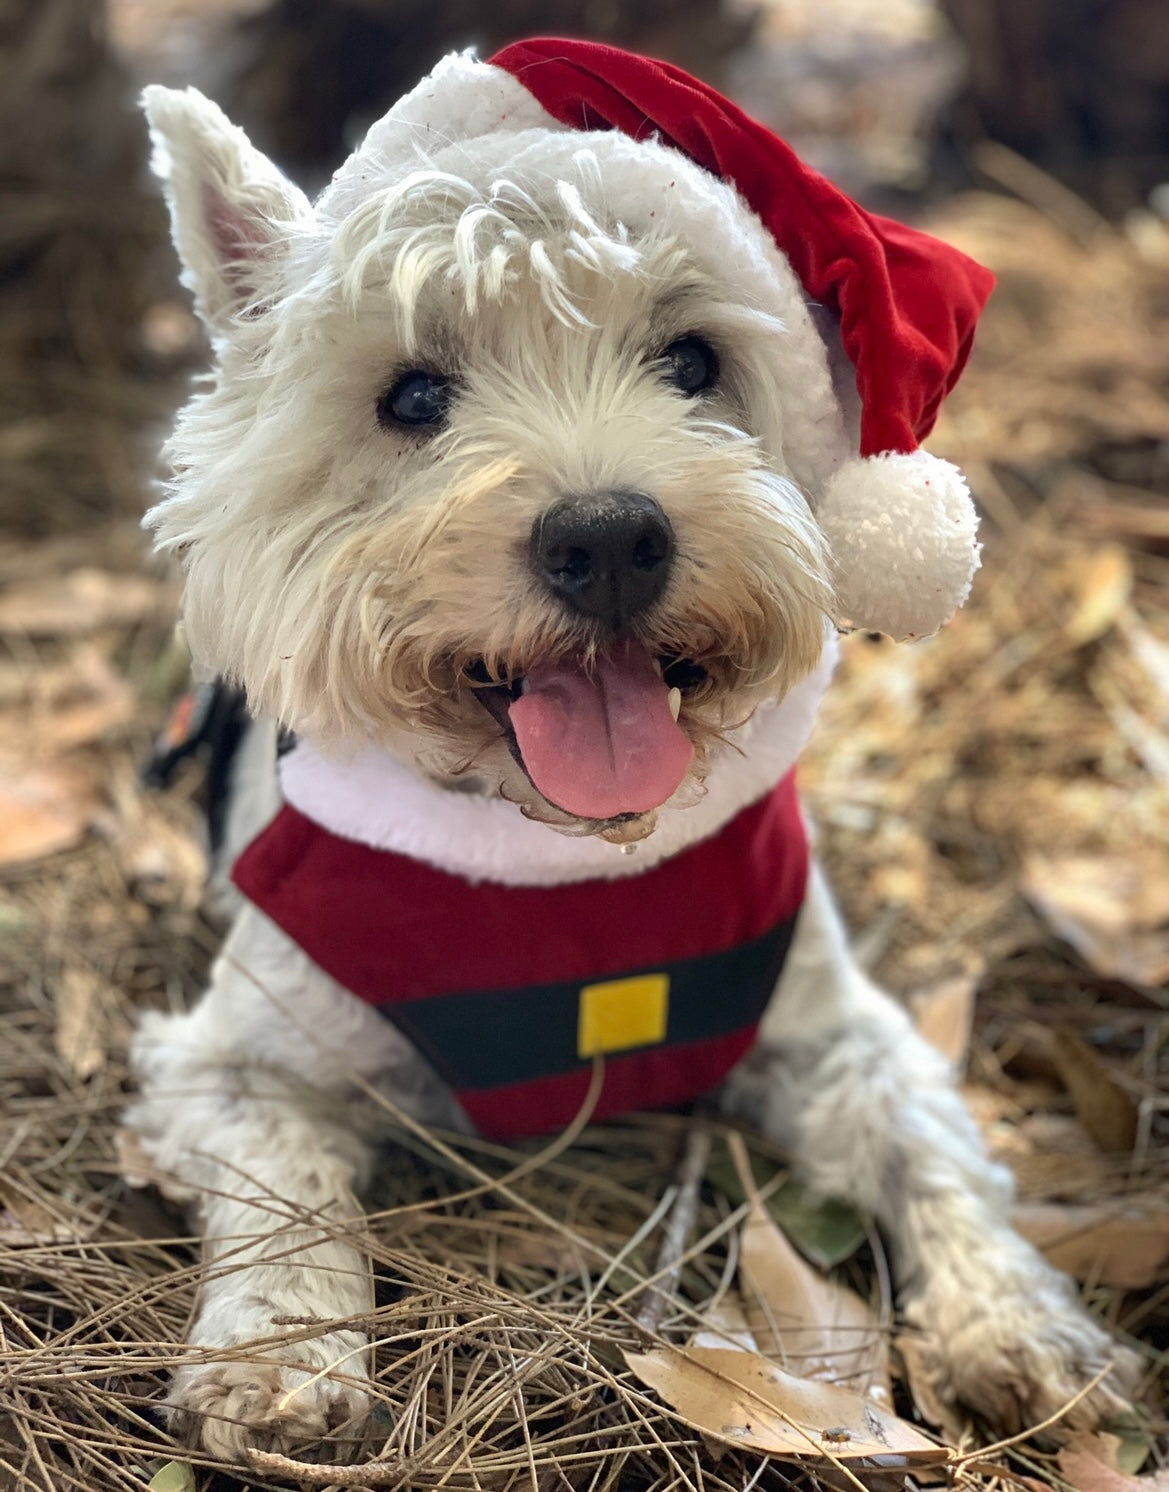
(902, 529)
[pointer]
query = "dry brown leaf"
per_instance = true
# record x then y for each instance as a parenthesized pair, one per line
(1111, 909)
(944, 1015)
(1123, 1245)
(43, 809)
(946, 1418)
(745, 1400)
(1053, 1158)
(28, 1225)
(1106, 1111)
(81, 1005)
(1125, 1450)
(92, 699)
(1102, 585)
(1088, 1462)
(80, 602)
(813, 1325)
(992, 1109)
(725, 1325)
(81, 723)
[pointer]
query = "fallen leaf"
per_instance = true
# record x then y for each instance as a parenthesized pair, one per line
(43, 809)
(24, 1223)
(1124, 1245)
(725, 1325)
(1091, 1464)
(1053, 1158)
(944, 1015)
(90, 700)
(812, 1324)
(175, 1476)
(1106, 1111)
(824, 1230)
(82, 601)
(80, 1021)
(1129, 1445)
(746, 1401)
(946, 1418)
(991, 1108)
(1111, 909)
(1103, 584)
(79, 724)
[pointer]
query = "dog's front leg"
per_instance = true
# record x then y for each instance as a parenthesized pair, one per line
(871, 1114)
(243, 1109)
(274, 1190)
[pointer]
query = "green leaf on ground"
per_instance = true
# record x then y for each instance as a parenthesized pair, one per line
(824, 1230)
(175, 1476)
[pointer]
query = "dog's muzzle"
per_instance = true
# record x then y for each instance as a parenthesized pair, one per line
(606, 557)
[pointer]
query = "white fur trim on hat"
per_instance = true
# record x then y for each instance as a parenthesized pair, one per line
(902, 529)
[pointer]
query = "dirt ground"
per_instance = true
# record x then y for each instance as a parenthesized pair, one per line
(992, 807)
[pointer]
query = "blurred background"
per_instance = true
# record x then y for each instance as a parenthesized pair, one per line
(992, 803)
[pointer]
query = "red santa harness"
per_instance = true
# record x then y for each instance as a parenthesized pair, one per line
(514, 993)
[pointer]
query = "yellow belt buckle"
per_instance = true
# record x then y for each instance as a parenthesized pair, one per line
(618, 1014)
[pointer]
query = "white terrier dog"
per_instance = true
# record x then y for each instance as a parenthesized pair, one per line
(524, 492)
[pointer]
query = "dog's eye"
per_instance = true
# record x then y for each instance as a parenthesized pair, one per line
(691, 365)
(418, 398)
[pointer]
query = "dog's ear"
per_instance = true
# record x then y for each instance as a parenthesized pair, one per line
(233, 213)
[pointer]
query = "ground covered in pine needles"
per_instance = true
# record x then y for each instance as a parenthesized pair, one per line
(992, 807)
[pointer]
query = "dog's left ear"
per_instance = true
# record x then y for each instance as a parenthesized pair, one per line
(233, 213)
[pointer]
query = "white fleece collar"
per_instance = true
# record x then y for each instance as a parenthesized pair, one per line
(376, 800)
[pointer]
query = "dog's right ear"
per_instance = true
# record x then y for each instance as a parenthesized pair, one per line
(233, 212)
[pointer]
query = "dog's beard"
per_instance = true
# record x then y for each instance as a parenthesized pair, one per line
(431, 636)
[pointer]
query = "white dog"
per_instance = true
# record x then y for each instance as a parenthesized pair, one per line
(524, 492)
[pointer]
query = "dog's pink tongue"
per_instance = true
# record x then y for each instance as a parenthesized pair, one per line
(603, 742)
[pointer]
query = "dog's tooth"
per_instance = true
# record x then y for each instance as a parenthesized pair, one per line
(524, 686)
(674, 699)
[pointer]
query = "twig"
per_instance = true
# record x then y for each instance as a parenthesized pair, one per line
(1032, 184)
(366, 1474)
(679, 1226)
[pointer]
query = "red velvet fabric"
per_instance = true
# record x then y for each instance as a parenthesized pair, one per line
(396, 931)
(907, 303)
(663, 1077)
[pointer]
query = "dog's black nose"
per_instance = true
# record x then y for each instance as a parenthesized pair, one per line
(606, 556)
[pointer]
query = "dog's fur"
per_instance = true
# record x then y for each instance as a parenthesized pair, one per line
(349, 576)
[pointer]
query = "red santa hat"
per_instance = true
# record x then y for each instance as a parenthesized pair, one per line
(900, 523)
(907, 305)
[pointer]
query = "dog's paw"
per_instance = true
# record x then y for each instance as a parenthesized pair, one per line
(1019, 1357)
(262, 1403)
